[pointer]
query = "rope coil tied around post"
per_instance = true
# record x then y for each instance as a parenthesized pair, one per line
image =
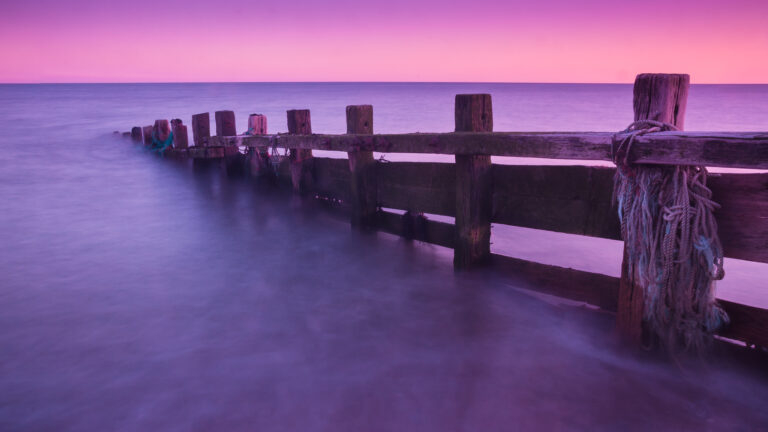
(161, 146)
(670, 235)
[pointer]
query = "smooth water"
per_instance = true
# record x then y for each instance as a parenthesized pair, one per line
(136, 294)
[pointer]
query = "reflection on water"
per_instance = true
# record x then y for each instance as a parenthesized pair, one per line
(137, 294)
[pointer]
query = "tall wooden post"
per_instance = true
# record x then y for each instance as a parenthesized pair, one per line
(473, 185)
(161, 130)
(201, 128)
(225, 123)
(300, 159)
(660, 97)
(362, 167)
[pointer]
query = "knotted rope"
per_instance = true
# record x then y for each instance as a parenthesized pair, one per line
(670, 235)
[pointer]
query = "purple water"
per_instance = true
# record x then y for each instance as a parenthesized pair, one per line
(139, 295)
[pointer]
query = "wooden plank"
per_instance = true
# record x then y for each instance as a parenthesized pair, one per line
(474, 186)
(419, 187)
(363, 199)
(201, 129)
(742, 219)
(416, 227)
(714, 149)
(332, 178)
(593, 288)
(146, 133)
(748, 323)
(300, 159)
(569, 199)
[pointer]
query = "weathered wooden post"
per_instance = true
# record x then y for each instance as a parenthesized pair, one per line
(180, 138)
(660, 97)
(201, 128)
(146, 132)
(473, 185)
(225, 123)
(259, 163)
(300, 159)
(136, 134)
(362, 167)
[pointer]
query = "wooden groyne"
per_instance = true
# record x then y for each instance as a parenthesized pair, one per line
(477, 193)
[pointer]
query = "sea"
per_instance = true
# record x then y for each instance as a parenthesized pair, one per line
(138, 294)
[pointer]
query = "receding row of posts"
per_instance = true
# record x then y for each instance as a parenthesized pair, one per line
(660, 97)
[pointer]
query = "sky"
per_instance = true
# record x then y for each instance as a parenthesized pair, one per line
(396, 40)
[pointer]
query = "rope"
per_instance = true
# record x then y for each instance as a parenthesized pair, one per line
(161, 146)
(670, 234)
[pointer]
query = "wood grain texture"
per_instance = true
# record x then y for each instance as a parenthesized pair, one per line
(569, 199)
(299, 122)
(363, 198)
(661, 97)
(331, 178)
(225, 123)
(742, 220)
(201, 129)
(714, 149)
(419, 187)
(474, 185)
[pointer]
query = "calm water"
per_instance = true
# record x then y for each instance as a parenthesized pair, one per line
(138, 295)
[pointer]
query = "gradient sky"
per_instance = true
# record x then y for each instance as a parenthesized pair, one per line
(397, 40)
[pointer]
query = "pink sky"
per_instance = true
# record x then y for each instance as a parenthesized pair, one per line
(397, 40)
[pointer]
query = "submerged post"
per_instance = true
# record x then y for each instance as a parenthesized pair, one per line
(146, 132)
(180, 138)
(260, 164)
(225, 123)
(362, 167)
(660, 97)
(136, 134)
(201, 128)
(300, 159)
(474, 113)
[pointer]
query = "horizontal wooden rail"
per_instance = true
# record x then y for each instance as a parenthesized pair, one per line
(717, 149)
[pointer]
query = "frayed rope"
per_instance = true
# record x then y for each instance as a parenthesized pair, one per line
(670, 233)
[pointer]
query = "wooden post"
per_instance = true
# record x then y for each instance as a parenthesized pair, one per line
(660, 97)
(225, 123)
(473, 185)
(136, 134)
(201, 128)
(362, 167)
(259, 163)
(161, 130)
(300, 159)
(146, 132)
(180, 138)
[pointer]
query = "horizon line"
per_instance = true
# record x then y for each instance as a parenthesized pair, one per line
(350, 82)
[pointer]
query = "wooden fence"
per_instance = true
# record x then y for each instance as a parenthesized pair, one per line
(567, 199)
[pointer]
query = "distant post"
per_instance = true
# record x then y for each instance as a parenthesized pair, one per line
(180, 138)
(136, 134)
(362, 167)
(660, 97)
(474, 113)
(146, 132)
(260, 164)
(201, 128)
(299, 122)
(225, 123)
